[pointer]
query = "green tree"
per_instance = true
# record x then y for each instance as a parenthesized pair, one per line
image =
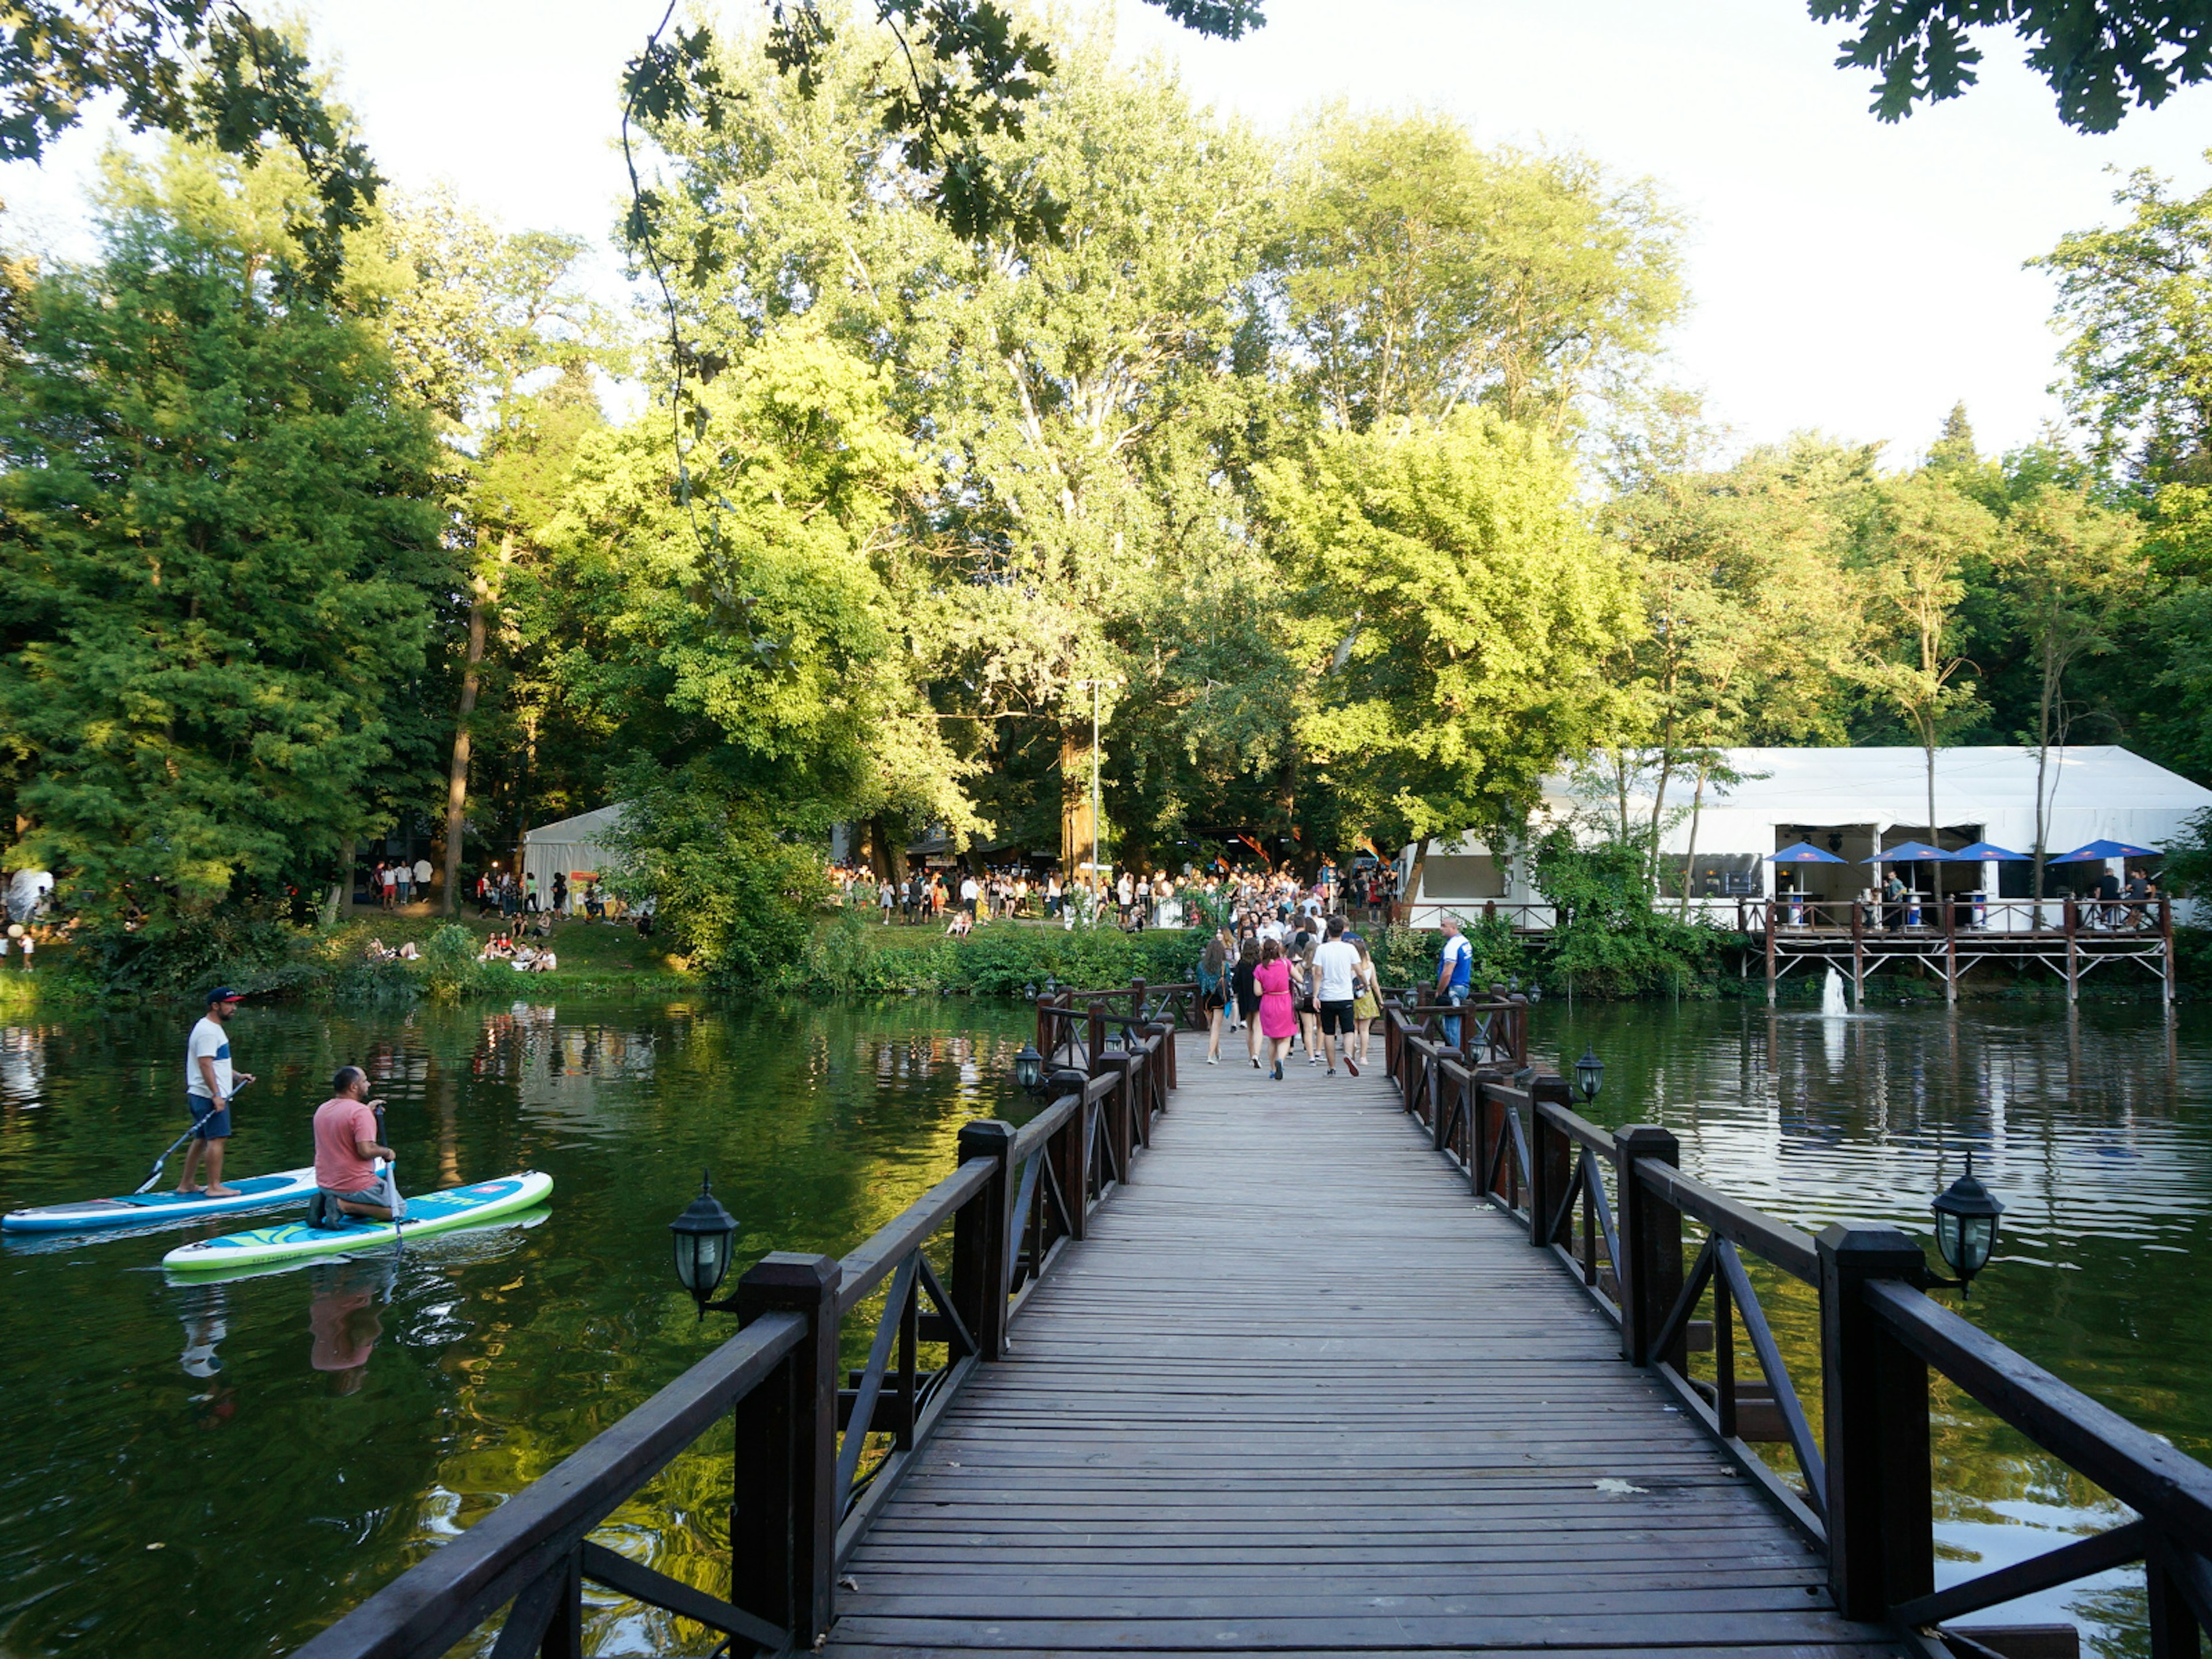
(1923, 536)
(221, 557)
(2069, 569)
(1420, 273)
(1454, 613)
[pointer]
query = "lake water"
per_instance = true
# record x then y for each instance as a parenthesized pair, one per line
(217, 1470)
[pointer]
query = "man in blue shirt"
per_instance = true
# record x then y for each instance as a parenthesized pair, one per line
(1454, 973)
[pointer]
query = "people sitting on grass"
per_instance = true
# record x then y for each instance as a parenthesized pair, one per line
(961, 926)
(498, 948)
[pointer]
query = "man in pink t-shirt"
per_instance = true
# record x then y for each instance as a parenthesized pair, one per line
(345, 1141)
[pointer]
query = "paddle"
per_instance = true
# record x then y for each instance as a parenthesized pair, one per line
(147, 1185)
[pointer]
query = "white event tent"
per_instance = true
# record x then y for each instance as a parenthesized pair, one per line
(1849, 802)
(573, 846)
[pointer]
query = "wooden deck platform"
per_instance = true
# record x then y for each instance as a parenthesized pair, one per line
(1298, 1393)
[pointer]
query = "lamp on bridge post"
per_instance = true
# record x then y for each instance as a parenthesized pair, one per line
(1029, 1069)
(702, 1234)
(1590, 1074)
(1966, 1226)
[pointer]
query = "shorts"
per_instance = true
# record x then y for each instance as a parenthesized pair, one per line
(368, 1196)
(207, 1123)
(1336, 1018)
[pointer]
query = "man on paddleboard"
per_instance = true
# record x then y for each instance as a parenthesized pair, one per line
(345, 1140)
(208, 1080)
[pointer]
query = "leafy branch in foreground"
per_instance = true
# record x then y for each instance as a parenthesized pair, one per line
(2099, 56)
(203, 70)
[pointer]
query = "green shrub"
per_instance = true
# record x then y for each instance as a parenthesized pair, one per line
(450, 969)
(1609, 940)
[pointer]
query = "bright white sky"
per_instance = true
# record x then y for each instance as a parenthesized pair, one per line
(1847, 276)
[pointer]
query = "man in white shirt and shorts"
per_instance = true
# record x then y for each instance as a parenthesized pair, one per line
(1336, 982)
(208, 1080)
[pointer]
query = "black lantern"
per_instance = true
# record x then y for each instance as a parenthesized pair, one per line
(1590, 1074)
(702, 1245)
(1967, 1224)
(1029, 1068)
(1030, 991)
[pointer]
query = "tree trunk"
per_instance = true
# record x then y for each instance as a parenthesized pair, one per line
(342, 889)
(457, 772)
(887, 852)
(1079, 828)
(1413, 879)
(1690, 859)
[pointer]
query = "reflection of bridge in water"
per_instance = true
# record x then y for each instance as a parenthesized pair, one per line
(1329, 1366)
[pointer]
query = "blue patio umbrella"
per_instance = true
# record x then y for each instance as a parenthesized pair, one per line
(1988, 852)
(1909, 852)
(2097, 851)
(1803, 852)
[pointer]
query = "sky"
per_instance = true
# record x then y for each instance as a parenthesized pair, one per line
(1846, 276)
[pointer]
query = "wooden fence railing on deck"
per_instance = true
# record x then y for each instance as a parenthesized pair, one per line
(819, 1449)
(1865, 1490)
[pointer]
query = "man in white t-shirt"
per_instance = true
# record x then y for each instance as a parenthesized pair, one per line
(969, 892)
(422, 878)
(208, 1081)
(1336, 987)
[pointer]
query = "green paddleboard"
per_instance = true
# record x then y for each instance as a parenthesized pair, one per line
(430, 1212)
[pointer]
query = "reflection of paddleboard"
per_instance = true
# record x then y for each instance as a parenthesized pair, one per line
(138, 1209)
(427, 1212)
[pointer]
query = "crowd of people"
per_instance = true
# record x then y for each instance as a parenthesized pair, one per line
(1289, 976)
(956, 899)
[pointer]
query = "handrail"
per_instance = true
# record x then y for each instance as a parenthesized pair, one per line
(820, 1450)
(1868, 1499)
(448, 1594)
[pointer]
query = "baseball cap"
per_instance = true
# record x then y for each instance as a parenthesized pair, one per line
(223, 994)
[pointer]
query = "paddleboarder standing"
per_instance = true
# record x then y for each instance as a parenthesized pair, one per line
(208, 1080)
(345, 1142)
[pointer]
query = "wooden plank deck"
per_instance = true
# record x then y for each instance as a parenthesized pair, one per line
(1297, 1394)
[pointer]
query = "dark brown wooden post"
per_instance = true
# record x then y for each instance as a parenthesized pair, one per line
(1551, 1171)
(1881, 1546)
(1169, 1084)
(1071, 1155)
(978, 1239)
(1136, 1000)
(1447, 1094)
(2173, 1631)
(1544, 1086)
(1094, 1037)
(1651, 1239)
(784, 1507)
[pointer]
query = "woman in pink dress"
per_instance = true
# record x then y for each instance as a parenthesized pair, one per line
(1277, 1023)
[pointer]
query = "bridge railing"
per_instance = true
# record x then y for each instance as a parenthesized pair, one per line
(819, 1447)
(1865, 1478)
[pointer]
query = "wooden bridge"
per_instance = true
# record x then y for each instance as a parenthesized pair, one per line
(1411, 1362)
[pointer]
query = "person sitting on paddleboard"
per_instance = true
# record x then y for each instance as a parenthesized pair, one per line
(346, 1182)
(208, 1080)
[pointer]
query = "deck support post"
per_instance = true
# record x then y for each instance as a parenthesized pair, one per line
(1651, 1239)
(2072, 913)
(1858, 954)
(1881, 1548)
(1770, 956)
(1950, 943)
(2166, 936)
(1551, 1172)
(784, 1507)
(978, 1239)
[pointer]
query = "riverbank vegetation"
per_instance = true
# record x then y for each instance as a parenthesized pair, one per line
(1334, 471)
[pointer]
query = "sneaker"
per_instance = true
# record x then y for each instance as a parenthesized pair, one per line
(1210, 1060)
(1351, 1064)
(1256, 1063)
(1332, 1071)
(1279, 1071)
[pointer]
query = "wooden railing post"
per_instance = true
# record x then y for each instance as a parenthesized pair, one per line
(1546, 1087)
(1875, 1407)
(1094, 1037)
(1520, 1029)
(1447, 1095)
(1071, 1153)
(1651, 1239)
(979, 1240)
(784, 1507)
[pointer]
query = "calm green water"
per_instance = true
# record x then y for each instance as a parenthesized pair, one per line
(215, 1471)
(2095, 1131)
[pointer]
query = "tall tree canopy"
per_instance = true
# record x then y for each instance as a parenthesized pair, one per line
(222, 551)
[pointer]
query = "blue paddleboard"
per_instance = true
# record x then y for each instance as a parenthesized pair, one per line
(138, 1209)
